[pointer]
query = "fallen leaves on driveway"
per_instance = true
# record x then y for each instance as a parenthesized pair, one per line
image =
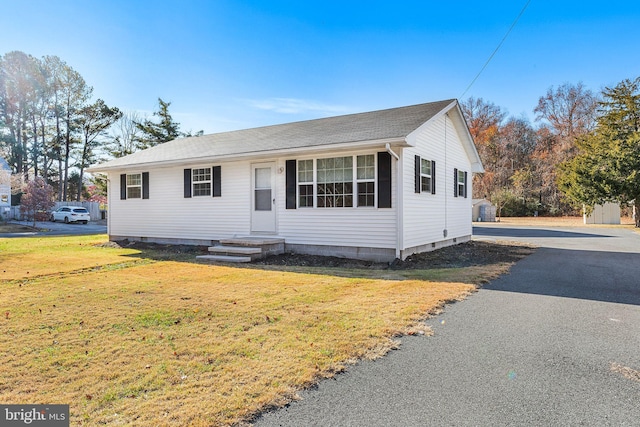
(625, 371)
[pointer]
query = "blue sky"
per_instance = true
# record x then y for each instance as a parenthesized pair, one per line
(228, 65)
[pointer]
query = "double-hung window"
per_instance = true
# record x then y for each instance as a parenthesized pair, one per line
(365, 177)
(305, 183)
(134, 186)
(425, 175)
(201, 182)
(461, 183)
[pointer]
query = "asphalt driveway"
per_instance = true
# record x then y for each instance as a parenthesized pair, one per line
(47, 228)
(555, 342)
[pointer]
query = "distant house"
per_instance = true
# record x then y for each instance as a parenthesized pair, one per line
(5, 189)
(377, 185)
(608, 213)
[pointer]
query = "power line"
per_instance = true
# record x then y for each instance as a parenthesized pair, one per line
(496, 49)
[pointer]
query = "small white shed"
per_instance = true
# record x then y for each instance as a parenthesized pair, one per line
(608, 213)
(483, 210)
(5, 189)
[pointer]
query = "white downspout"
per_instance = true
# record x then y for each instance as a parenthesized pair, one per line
(399, 200)
(390, 151)
(109, 195)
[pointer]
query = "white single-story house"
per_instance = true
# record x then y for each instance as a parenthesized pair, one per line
(5, 189)
(377, 185)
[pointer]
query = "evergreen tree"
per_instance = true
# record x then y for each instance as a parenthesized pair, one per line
(93, 123)
(153, 133)
(607, 167)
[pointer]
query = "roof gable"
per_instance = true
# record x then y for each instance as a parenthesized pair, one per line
(390, 124)
(4, 166)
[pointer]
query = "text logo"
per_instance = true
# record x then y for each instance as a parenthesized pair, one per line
(34, 415)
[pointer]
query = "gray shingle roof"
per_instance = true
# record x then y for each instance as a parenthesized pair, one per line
(351, 128)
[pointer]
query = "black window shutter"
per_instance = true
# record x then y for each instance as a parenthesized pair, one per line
(291, 178)
(384, 180)
(465, 185)
(455, 182)
(433, 177)
(217, 184)
(187, 183)
(123, 186)
(417, 174)
(145, 185)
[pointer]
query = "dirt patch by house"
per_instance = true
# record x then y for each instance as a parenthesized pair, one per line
(467, 254)
(462, 255)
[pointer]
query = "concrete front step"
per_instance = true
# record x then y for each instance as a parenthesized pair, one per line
(224, 258)
(235, 250)
(251, 241)
(244, 249)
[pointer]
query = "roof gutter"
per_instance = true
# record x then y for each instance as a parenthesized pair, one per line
(259, 154)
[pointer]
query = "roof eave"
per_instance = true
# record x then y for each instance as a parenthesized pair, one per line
(394, 142)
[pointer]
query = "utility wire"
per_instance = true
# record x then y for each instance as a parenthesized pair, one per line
(496, 50)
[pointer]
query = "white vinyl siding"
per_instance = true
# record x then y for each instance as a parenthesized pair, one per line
(426, 219)
(174, 217)
(213, 218)
(351, 227)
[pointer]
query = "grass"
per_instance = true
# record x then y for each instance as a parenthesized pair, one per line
(129, 338)
(38, 256)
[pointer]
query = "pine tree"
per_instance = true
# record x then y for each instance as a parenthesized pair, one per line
(607, 167)
(153, 133)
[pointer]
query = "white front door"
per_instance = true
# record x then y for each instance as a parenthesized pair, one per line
(263, 197)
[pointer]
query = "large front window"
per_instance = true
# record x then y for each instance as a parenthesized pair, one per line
(134, 186)
(337, 182)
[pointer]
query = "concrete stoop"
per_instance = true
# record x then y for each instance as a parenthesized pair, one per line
(244, 249)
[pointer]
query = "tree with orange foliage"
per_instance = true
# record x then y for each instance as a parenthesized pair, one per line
(483, 119)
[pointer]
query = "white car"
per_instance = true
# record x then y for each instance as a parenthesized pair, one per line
(70, 214)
